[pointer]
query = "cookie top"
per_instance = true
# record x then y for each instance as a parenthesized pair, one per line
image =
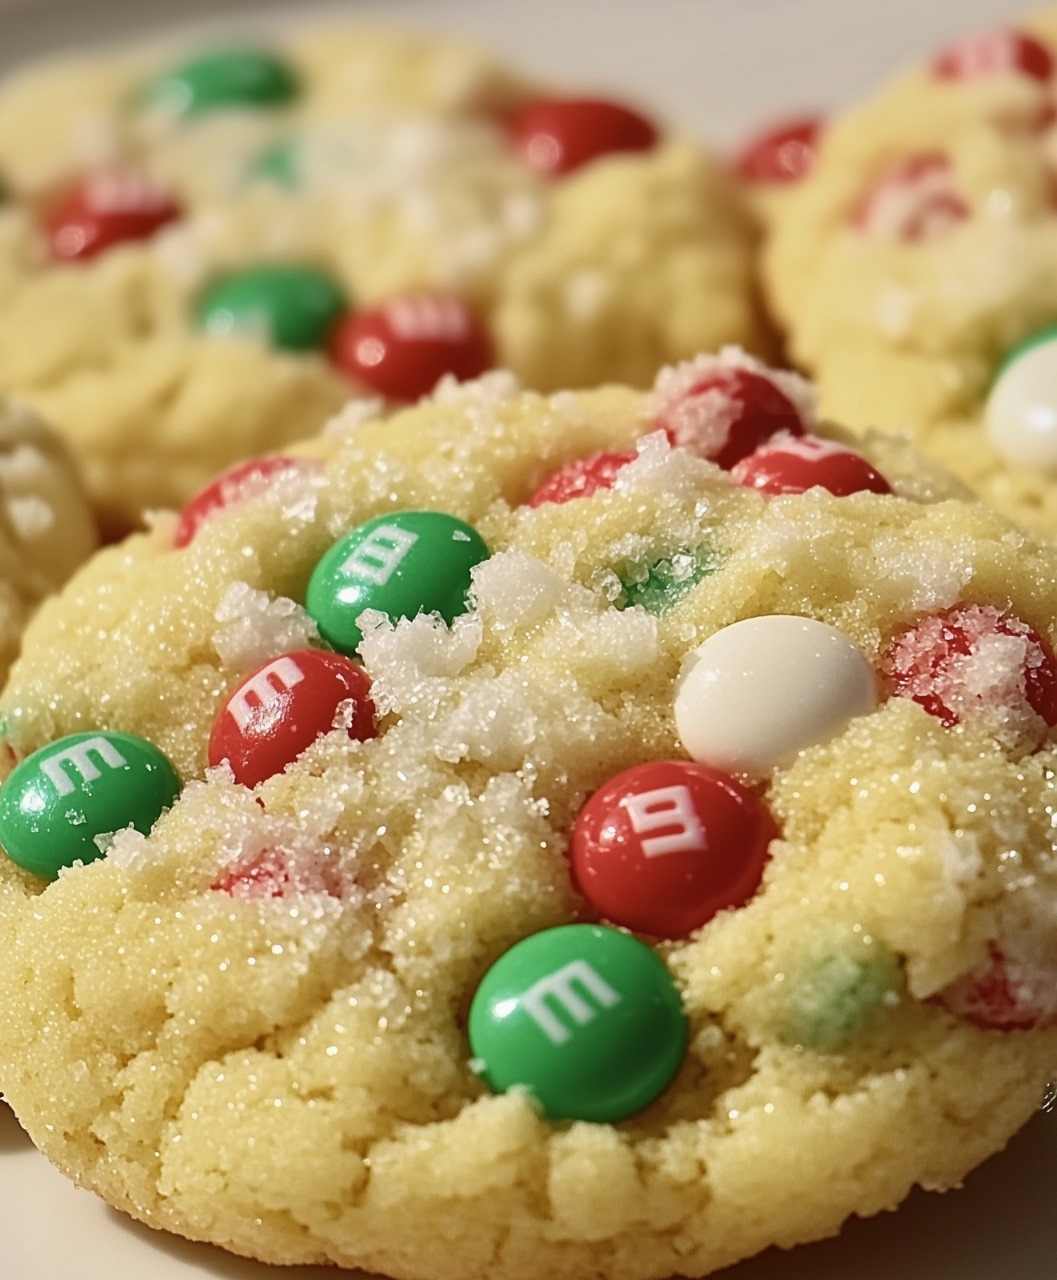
(541, 807)
(258, 231)
(921, 251)
(46, 525)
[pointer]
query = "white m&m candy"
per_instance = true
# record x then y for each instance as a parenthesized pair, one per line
(1021, 411)
(759, 691)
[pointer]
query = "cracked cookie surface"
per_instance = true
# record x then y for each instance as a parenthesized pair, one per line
(249, 1023)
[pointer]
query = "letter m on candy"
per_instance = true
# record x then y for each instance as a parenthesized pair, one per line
(572, 990)
(78, 759)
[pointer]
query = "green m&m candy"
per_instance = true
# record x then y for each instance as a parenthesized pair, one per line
(59, 799)
(833, 995)
(668, 579)
(402, 564)
(221, 79)
(294, 308)
(585, 1018)
(279, 163)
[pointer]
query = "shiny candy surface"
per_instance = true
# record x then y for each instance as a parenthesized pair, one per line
(236, 485)
(994, 53)
(1021, 410)
(782, 155)
(661, 848)
(761, 690)
(582, 477)
(106, 209)
(728, 414)
(222, 79)
(794, 466)
(586, 1019)
(56, 803)
(557, 136)
(401, 564)
(402, 349)
(294, 308)
(284, 706)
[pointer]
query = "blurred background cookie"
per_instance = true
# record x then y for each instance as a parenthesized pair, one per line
(915, 266)
(46, 525)
(208, 247)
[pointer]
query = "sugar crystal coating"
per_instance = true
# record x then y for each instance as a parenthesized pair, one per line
(275, 982)
(978, 662)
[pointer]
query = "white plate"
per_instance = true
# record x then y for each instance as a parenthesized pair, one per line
(722, 67)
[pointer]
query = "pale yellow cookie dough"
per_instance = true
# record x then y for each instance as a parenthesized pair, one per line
(46, 526)
(405, 182)
(910, 335)
(290, 1077)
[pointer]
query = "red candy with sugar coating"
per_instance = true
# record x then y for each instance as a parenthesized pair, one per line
(106, 209)
(278, 874)
(796, 465)
(661, 848)
(402, 349)
(994, 53)
(581, 478)
(728, 414)
(974, 659)
(914, 201)
(556, 136)
(1007, 994)
(283, 707)
(782, 155)
(237, 485)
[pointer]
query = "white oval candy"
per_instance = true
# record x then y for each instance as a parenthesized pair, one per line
(759, 691)
(1021, 411)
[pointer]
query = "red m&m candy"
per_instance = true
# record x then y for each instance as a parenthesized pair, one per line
(993, 53)
(404, 348)
(283, 707)
(974, 659)
(1007, 993)
(237, 485)
(662, 847)
(555, 136)
(782, 155)
(582, 477)
(728, 414)
(794, 466)
(915, 200)
(106, 209)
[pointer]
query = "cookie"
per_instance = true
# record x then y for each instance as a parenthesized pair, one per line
(207, 249)
(46, 526)
(523, 833)
(920, 253)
